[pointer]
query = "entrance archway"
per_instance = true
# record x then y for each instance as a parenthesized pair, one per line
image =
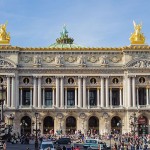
(116, 125)
(25, 125)
(48, 125)
(142, 125)
(93, 125)
(71, 125)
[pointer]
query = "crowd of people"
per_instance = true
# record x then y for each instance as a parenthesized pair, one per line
(116, 141)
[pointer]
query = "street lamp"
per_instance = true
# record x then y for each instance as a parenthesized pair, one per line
(36, 130)
(23, 125)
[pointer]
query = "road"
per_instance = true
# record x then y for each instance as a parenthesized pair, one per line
(30, 146)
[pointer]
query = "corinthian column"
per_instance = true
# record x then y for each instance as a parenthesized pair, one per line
(147, 95)
(13, 92)
(75, 97)
(84, 92)
(129, 91)
(8, 91)
(57, 91)
(120, 96)
(34, 92)
(62, 92)
(102, 92)
(107, 91)
(79, 92)
(133, 91)
(39, 92)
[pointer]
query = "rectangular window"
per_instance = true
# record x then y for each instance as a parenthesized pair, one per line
(26, 97)
(142, 96)
(115, 97)
(70, 97)
(93, 97)
(48, 97)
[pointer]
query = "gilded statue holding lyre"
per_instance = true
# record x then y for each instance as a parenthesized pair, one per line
(4, 36)
(137, 37)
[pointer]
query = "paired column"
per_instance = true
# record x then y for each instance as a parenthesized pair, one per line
(102, 92)
(129, 91)
(107, 92)
(110, 96)
(84, 92)
(57, 91)
(137, 95)
(62, 92)
(39, 92)
(133, 92)
(8, 91)
(34, 92)
(13, 92)
(79, 92)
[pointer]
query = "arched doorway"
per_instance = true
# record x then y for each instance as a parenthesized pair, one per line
(142, 125)
(71, 125)
(25, 125)
(116, 125)
(93, 125)
(48, 125)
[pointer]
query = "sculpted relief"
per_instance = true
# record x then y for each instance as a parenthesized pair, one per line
(139, 64)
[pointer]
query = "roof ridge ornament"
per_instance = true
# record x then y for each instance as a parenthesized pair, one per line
(137, 37)
(4, 36)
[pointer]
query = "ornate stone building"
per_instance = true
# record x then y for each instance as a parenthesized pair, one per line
(76, 88)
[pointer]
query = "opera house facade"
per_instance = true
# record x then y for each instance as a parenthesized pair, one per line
(102, 89)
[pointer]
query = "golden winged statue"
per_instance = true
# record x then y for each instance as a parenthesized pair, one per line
(137, 37)
(4, 36)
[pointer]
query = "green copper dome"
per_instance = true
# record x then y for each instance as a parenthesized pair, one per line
(64, 41)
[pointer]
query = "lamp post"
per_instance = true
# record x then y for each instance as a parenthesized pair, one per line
(10, 123)
(36, 130)
(23, 125)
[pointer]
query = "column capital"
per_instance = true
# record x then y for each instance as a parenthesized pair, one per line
(102, 77)
(106, 77)
(20, 87)
(80, 77)
(131, 76)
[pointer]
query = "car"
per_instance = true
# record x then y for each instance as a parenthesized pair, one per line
(63, 141)
(91, 142)
(100, 146)
(47, 144)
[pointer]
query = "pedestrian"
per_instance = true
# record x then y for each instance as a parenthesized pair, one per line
(4, 146)
(64, 147)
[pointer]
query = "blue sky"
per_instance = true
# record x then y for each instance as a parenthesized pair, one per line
(92, 23)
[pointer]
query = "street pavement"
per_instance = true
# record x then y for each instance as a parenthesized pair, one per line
(31, 146)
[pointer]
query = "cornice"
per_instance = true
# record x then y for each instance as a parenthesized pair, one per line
(124, 48)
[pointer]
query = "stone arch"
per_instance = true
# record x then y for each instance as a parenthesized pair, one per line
(25, 124)
(142, 125)
(71, 124)
(93, 124)
(116, 125)
(48, 125)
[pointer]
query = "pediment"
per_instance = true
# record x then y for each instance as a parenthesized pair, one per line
(139, 63)
(7, 63)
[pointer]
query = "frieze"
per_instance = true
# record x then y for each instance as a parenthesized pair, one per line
(48, 59)
(26, 59)
(71, 59)
(92, 59)
(115, 59)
